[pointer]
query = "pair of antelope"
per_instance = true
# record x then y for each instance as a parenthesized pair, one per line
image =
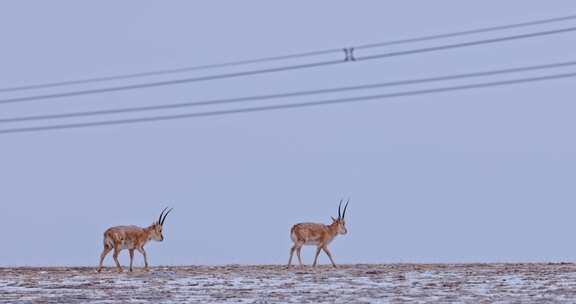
(134, 238)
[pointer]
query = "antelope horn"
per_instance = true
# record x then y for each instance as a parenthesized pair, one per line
(161, 213)
(339, 207)
(165, 215)
(345, 207)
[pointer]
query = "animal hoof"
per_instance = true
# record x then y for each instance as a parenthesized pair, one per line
(146, 270)
(119, 270)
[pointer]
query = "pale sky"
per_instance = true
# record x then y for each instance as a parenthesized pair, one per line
(477, 176)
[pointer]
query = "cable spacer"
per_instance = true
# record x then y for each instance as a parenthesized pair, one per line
(349, 54)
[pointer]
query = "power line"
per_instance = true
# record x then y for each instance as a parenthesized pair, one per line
(468, 32)
(285, 57)
(167, 83)
(467, 44)
(284, 68)
(168, 71)
(288, 94)
(291, 105)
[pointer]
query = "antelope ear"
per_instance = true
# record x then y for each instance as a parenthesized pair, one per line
(333, 219)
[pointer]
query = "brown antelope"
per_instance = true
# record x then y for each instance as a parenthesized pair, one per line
(317, 234)
(131, 238)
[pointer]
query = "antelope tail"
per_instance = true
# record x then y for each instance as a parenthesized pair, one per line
(292, 234)
(108, 241)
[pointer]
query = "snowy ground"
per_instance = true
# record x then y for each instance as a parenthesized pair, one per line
(394, 283)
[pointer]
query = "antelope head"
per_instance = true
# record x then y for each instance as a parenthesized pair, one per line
(340, 222)
(156, 231)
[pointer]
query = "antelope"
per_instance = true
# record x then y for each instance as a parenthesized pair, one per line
(132, 238)
(320, 235)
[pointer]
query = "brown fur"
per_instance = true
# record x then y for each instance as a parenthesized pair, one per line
(132, 238)
(320, 235)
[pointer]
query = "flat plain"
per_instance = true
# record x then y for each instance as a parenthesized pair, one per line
(386, 283)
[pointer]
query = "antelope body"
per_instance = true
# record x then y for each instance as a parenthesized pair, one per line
(320, 235)
(132, 238)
